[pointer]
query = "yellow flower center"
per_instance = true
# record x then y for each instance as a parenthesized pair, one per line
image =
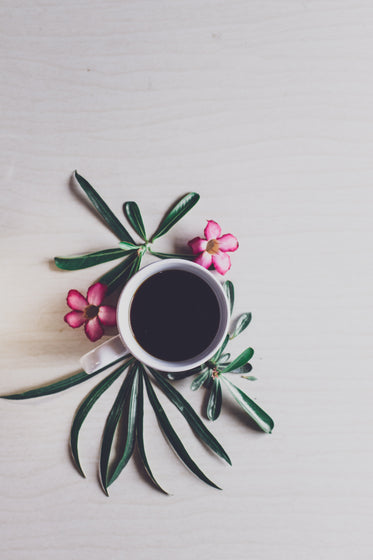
(212, 247)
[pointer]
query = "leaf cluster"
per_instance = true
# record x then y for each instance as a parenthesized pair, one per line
(212, 374)
(129, 252)
(125, 418)
(127, 412)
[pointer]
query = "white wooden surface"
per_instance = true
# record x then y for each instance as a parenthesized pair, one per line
(264, 108)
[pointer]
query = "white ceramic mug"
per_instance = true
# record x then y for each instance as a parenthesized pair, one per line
(126, 344)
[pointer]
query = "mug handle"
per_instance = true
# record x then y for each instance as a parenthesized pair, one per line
(103, 355)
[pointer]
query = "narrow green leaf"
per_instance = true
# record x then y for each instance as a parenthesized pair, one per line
(126, 246)
(102, 208)
(224, 358)
(200, 379)
(215, 400)
(242, 369)
(242, 322)
(176, 213)
(190, 415)
(260, 417)
(172, 436)
(111, 426)
(57, 386)
(122, 278)
(249, 377)
(176, 375)
(242, 359)
(136, 265)
(91, 259)
(54, 387)
(134, 217)
(131, 430)
(140, 431)
(229, 292)
(172, 256)
(217, 355)
(119, 274)
(84, 409)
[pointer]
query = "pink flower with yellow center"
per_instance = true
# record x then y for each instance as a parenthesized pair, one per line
(213, 249)
(89, 311)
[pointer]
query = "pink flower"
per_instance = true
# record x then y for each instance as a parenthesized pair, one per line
(213, 250)
(89, 311)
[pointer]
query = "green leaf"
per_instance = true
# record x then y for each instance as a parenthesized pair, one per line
(242, 322)
(128, 247)
(54, 387)
(240, 361)
(176, 375)
(84, 409)
(136, 265)
(134, 217)
(91, 259)
(140, 430)
(57, 386)
(217, 355)
(242, 369)
(200, 379)
(224, 358)
(111, 426)
(190, 415)
(172, 436)
(260, 417)
(172, 256)
(229, 292)
(249, 377)
(131, 430)
(102, 208)
(215, 400)
(119, 274)
(176, 213)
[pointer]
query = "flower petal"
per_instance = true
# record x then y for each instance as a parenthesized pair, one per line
(107, 315)
(76, 301)
(75, 319)
(222, 262)
(204, 259)
(96, 294)
(93, 329)
(197, 245)
(212, 230)
(228, 242)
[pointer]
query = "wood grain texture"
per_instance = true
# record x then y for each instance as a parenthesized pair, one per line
(265, 109)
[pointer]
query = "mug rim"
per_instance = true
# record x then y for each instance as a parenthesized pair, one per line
(124, 323)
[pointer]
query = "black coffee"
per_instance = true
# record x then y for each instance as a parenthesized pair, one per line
(174, 315)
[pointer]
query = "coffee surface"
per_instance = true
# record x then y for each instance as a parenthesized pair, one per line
(174, 315)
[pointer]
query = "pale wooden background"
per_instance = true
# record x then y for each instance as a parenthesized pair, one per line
(265, 108)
